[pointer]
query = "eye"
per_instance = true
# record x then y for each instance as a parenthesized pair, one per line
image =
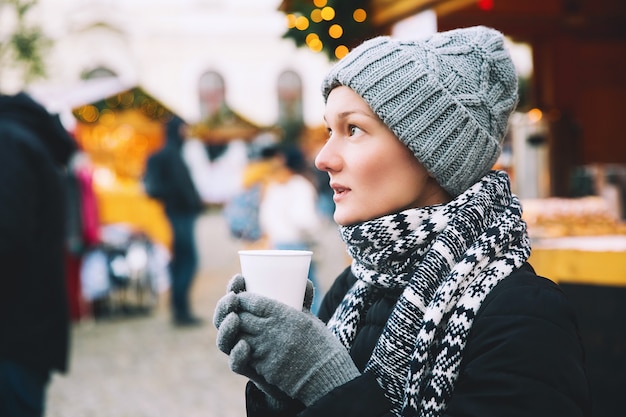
(329, 133)
(354, 130)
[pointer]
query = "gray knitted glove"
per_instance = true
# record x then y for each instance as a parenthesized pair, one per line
(278, 346)
(274, 397)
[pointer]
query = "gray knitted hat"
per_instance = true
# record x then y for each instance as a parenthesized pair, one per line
(447, 97)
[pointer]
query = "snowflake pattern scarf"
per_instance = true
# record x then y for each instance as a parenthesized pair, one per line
(444, 259)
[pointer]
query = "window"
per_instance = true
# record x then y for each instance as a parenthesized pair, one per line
(211, 90)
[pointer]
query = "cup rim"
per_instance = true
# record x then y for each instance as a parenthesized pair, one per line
(275, 252)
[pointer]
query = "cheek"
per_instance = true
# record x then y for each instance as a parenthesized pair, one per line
(385, 183)
(397, 180)
(371, 170)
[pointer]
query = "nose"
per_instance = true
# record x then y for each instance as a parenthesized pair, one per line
(327, 158)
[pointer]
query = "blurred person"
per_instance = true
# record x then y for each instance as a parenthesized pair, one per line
(439, 314)
(288, 211)
(168, 180)
(241, 212)
(34, 317)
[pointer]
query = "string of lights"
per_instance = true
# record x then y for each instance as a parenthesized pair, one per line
(329, 26)
(134, 98)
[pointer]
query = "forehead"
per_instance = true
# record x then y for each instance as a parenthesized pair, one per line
(343, 100)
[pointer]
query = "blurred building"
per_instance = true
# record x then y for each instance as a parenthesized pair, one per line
(168, 48)
(222, 65)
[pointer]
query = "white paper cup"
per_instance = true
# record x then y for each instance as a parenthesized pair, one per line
(277, 274)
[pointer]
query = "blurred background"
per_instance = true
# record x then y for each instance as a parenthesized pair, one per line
(245, 74)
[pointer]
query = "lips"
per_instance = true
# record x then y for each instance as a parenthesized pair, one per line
(339, 190)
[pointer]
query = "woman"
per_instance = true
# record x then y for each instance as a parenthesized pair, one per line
(439, 313)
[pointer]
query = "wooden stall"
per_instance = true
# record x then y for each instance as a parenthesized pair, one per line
(581, 244)
(118, 133)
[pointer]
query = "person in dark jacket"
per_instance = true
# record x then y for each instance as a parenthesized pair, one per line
(167, 179)
(34, 317)
(439, 313)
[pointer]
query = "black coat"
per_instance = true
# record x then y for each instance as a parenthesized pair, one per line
(523, 357)
(34, 320)
(167, 177)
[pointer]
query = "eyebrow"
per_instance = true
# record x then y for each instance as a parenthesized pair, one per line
(347, 113)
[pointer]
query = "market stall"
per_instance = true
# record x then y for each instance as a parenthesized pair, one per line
(577, 240)
(581, 244)
(592, 260)
(118, 133)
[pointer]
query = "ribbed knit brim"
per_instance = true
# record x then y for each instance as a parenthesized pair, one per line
(447, 97)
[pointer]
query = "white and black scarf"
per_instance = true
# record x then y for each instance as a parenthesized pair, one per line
(444, 259)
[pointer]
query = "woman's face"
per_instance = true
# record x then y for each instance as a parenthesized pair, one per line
(371, 172)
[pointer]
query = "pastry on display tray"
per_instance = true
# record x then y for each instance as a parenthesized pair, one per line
(561, 217)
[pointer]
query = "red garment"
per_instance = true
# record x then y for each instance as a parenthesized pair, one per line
(89, 207)
(78, 308)
(90, 234)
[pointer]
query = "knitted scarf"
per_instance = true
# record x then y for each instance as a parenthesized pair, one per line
(444, 260)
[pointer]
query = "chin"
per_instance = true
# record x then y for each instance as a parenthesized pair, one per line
(340, 219)
(343, 219)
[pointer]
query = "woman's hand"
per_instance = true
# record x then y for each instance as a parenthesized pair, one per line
(280, 348)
